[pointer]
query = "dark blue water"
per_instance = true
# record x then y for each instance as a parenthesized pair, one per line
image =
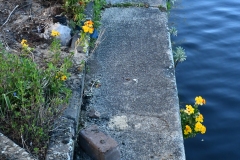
(209, 31)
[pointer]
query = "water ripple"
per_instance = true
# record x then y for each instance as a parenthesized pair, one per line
(210, 33)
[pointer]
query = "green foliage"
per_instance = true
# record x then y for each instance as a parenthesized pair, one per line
(30, 97)
(179, 55)
(170, 3)
(97, 8)
(83, 41)
(173, 31)
(76, 9)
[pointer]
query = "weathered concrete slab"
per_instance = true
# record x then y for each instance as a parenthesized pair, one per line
(73, 110)
(154, 3)
(62, 141)
(137, 98)
(61, 144)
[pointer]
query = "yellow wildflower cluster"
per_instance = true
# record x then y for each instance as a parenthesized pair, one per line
(200, 101)
(199, 127)
(191, 119)
(187, 130)
(189, 109)
(24, 43)
(88, 27)
(55, 33)
(61, 76)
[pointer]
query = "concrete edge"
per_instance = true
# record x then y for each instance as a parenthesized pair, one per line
(182, 148)
(8, 147)
(62, 141)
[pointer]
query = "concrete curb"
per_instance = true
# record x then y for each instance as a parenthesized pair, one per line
(62, 142)
(8, 147)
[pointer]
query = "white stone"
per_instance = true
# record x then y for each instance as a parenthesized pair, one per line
(65, 33)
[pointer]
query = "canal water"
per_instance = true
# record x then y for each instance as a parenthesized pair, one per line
(209, 31)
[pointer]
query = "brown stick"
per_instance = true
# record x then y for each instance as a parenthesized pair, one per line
(9, 16)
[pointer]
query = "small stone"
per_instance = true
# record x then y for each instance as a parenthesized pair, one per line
(65, 33)
(93, 114)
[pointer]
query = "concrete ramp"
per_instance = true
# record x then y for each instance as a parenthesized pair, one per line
(131, 76)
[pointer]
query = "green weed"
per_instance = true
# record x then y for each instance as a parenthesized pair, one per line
(179, 55)
(31, 98)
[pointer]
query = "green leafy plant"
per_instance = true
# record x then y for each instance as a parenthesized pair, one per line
(31, 98)
(55, 47)
(179, 55)
(173, 31)
(75, 8)
(191, 119)
(170, 3)
(26, 50)
(97, 8)
(87, 29)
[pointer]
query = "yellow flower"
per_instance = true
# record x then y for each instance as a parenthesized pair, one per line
(24, 41)
(199, 118)
(187, 130)
(91, 30)
(200, 101)
(88, 27)
(204, 101)
(55, 33)
(24, 45)
(88, 23)
(85, 29)
(63, 78)
(203, 129)
(200, 128)
(189, 109)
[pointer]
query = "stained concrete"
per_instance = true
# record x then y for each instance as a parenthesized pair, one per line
(137, 98)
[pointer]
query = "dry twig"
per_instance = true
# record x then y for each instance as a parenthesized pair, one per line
(99, 40)
(9, 16)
